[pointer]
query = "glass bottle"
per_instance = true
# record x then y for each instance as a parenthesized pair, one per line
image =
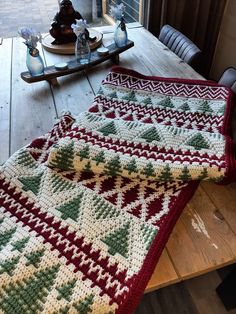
(34, 62)
(82, 49)
(120, 34)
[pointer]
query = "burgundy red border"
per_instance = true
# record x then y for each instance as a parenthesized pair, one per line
(156, 249)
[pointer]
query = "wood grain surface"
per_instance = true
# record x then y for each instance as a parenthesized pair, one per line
(5, 97)
(224, 198)
(32, 106)
(163, 270)
(208, 240)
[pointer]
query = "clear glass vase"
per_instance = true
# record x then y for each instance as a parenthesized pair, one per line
(82, 49)
(34, 62)
(120, 34)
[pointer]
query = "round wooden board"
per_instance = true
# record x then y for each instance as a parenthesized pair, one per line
(69, 49)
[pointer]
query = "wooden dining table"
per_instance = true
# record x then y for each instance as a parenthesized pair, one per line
(204, 237)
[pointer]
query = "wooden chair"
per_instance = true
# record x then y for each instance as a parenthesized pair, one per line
(228, 78)
(180, 45)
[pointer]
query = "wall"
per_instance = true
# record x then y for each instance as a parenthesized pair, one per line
(225, 53)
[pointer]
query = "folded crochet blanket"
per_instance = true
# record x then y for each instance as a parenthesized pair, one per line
(86, 210)
(160, 130)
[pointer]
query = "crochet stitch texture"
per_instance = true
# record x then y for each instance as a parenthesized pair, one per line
(86, 210)
(143, 129)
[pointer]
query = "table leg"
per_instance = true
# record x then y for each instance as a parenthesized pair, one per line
(116, 59)
(53, 81)
(227, 290)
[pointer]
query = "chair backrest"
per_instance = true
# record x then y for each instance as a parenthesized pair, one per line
(180, 45)
(228, 78)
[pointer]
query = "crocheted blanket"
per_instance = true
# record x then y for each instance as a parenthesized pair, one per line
(86, 210)
(156, 130)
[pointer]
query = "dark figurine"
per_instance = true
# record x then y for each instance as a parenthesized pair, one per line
(61, 26)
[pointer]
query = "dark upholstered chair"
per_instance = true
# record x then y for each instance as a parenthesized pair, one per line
(228, 78)
(180, 45)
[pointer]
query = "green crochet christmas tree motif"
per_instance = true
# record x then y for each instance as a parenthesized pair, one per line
(198, 142)
(131, 124)
(118, 241)
(166, 103)
(100, 91)
(99, 158)
(5, 237)
(147, 101)
(66, 290)
(107, 129)
(27, 296)
(205, 107)
(19, 245)
(93, 117)
(34, 258)
(103, 210)
(151, 135)
(9, 266)
(84, 306)
(203, 175)
(25, 159)
(166, 174)
(148, 170)
(113, 167)
(87, 167)
(131, 166)
(55, 145)
(60, 184)
(175, 131)
(63, 310)
(64, 157)
(72, 208)
(130, 96)
(185, 176)
(148, 233)
(113, 95)
(184, 107)
(221, 110)
(31, 183)
(216, 180)
(84, 153)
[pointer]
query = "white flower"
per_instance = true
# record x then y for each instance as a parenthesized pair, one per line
(117, 11)
(24, 32)
(31, 36)
(79, 27)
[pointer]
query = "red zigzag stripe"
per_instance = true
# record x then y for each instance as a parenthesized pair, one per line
(166, 88)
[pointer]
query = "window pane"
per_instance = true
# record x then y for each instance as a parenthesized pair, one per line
(133, 9)
(93, 10)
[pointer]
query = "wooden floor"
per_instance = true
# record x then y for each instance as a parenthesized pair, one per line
(194, 296)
